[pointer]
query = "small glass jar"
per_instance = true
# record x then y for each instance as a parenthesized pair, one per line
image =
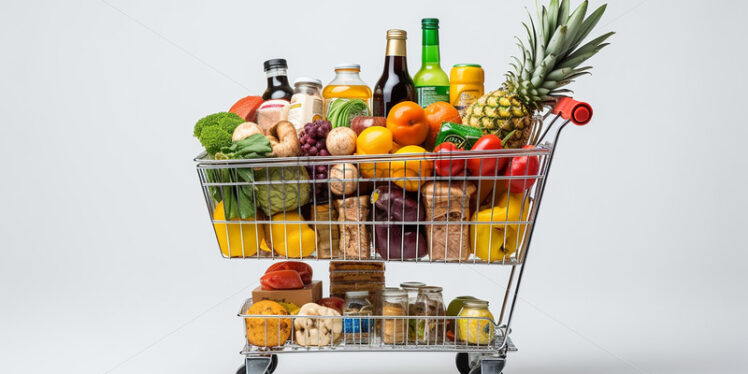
(356, 330)
(475, 331)
(412, 289)
(394, 303)
(306, 102)
(429, 304)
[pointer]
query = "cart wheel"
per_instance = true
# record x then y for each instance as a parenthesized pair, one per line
(462, 361)
(270, 370)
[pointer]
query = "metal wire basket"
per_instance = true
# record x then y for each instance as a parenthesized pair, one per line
(393, 207)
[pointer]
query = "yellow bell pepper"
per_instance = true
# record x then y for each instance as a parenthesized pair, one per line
(374, 141)
(291, 239)
(237, 240)
(411, 169)
(496, 241)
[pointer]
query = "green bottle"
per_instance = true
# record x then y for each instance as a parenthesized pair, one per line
(432, 83)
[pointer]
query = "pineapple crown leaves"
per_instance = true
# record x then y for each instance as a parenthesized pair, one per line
(552, 55)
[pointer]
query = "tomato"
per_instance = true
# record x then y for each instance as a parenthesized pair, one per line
(281, 280)
(407, 121)
(436, 114)
(446, 165)
(486, 165)
(304, 270)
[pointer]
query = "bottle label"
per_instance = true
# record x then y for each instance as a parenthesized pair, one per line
(465, 99)
(428, 95)
(356, 325)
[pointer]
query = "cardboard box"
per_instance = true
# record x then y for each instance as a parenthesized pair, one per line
(311, 293)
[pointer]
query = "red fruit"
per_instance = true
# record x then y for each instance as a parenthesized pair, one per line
(304, 270)
(247, 107)
(281, 280)
(332, 302)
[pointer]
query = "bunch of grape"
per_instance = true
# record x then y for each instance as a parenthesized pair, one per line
(312, 139)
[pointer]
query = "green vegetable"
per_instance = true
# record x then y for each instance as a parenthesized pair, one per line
(284, 195)
(343, 111)
(238, 200)
(214, 131)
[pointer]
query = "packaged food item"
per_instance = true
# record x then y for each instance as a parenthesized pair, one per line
(310, 293)
(278, 87)
(460, 135)
(356, 330)
(411, 288)
(306, 102)
(357, 276)
(346, 86)
(271, 112)
(328, 237)
(465, 85)
(317, 331)
(430, 304)
(475, 331)
(354, 238)
(267, 332)
(397, 241)
(394, 303)
(448, 202)
(432, 83)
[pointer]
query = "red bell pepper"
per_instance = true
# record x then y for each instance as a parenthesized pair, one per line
(522, 165)
(486, 166)
(304, 270)
(281, 280)
(447, 166)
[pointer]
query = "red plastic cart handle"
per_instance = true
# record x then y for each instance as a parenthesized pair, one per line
(578, 112)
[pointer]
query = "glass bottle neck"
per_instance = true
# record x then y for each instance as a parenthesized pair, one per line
(430, 46)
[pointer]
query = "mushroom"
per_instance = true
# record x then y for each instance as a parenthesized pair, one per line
(341, 141)
(317, 331)
(343, 179)
(283, 139)
(245, 130)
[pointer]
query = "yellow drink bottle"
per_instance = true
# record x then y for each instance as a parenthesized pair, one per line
(465, 85)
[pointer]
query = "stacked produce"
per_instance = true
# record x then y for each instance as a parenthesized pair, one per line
(423, 178)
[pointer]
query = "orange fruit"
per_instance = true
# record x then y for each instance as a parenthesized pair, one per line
(437, 113)
(407, 123)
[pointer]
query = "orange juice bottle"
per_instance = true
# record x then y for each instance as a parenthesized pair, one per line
(346, 86)
(465, 85)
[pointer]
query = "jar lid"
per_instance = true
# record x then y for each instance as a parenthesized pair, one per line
(475, 303)
(394, 293)
(308, 81)
(356, 294)
(397, 34)
(348, 66)
(466, 66)
(275, 63)
(412, 285)
(430, 289)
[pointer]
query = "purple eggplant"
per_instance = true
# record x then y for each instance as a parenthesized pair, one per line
(398, 241)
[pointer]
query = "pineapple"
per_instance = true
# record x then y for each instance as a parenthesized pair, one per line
(550, 61)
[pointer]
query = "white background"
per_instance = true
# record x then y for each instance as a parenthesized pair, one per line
(109, 263)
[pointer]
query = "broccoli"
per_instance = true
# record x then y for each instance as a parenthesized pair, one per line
(214, 131)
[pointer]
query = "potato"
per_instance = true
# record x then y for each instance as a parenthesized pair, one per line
(343, 171)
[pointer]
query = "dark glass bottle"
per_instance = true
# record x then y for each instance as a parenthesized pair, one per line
(395, 84)
(278, 86)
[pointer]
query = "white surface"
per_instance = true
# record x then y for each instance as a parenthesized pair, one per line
(109, 264)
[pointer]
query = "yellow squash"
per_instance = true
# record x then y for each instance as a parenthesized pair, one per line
(497, 238)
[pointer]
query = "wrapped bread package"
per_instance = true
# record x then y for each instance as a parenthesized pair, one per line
(448, 202)
(354, 238)
(328, 238)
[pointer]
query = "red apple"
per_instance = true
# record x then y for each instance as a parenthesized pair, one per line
(359, 124)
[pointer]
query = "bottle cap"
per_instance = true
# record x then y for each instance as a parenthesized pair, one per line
(356, 294)
(347, 66)
(275, 63)
(429, 289)
(397, 34)
(430, 23)
(475, 303)
(307, 80)
(412, 285)
(466, 66)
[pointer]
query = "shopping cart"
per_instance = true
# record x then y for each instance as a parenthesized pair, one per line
(266, 208)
